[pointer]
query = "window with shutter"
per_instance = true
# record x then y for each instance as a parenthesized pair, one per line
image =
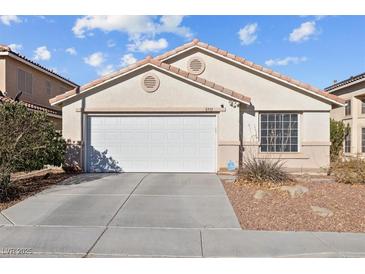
(24, 81)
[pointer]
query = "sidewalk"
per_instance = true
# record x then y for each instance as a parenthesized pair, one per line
(56, 241)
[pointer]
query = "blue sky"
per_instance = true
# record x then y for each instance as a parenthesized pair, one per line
(312, 49)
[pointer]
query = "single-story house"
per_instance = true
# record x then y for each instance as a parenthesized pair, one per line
(196, 108)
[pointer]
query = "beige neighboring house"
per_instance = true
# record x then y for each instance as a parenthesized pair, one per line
(37, 83)
(196, 108)
(352, 90)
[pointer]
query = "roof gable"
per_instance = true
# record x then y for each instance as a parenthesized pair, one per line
(172, 70)
(251, 66)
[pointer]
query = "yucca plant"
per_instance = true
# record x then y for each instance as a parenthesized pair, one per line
(264, 170)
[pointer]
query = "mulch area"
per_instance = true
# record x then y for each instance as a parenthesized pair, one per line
(278, 211)
(28, 185)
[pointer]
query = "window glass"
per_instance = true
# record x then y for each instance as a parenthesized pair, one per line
(24, 81)
(48, 87)
(279, 132)
(348, 142)
(348, 107)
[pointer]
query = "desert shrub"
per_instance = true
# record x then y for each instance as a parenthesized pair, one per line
(28, 141)
(338, 131)
(349, 171)
(263, 171)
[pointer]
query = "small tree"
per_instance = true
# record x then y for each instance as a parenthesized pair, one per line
(28, 141)
(338, 132)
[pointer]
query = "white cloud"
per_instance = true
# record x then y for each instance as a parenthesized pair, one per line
(131, 24)
(105, 70)
(71, 51)
(9, 19)
(148, 45)
(127, 59)
(42, 53)
(285, 61)
(95, 60)
(304, 32)
(16, 47)
(247, 34)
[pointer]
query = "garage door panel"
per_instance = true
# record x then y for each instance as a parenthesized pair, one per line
(154, 143)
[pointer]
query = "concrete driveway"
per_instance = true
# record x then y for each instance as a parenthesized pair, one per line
(150, 215)
(130, 214)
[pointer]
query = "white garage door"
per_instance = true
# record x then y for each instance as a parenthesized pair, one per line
(152, 143)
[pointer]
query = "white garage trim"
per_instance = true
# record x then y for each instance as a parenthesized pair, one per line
(187, 154)
(168, 110)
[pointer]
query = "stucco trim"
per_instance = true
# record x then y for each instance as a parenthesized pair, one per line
(316, 143)
(229, 143)
(294, 155)
(153, 110)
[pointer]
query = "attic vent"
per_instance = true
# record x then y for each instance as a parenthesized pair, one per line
(196, 65)
(150, 82)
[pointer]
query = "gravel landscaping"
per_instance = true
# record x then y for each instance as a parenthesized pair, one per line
(308, 204)
(28, 184)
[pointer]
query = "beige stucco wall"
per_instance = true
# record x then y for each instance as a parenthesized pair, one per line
(268, 95)
(356, 120)
(173, 93)
(2, 73)
(39, 95)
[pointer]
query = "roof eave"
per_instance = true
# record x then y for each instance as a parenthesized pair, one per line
(346, 85)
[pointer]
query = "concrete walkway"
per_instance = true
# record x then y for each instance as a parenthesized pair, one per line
(150, 215)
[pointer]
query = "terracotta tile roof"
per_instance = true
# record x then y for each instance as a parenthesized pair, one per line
(243, 61)
(32, 106)
(4, 48)
(345, 82)
(163, 66)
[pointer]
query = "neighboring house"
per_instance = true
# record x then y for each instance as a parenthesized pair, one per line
(352, 90)
(196, 109)
(54, 115)
(36, 83)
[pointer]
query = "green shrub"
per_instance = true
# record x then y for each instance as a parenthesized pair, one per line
(28, 141)
(338, 131)
(349, 171)
(263, 171)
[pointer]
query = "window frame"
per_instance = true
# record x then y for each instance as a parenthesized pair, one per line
(27, 83)
(362, 106)
(298, 144)
(363, 140)
(348, 108)
(48, 87)
(347, 142)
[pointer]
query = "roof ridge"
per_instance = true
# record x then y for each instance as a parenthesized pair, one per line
(251, 65)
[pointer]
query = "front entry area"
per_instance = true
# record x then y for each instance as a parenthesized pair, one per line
(153, 143)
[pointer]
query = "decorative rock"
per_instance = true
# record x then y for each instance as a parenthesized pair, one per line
(322, 211)
(295, 191)
(260, 194)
